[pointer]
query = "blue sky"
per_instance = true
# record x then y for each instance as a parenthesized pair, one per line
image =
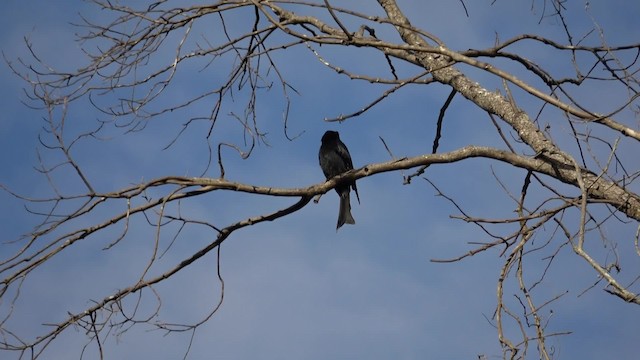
(295, 288)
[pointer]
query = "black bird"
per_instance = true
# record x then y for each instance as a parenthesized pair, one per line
(334, 160)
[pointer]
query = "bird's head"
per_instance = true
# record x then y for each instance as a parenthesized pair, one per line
(330, 136)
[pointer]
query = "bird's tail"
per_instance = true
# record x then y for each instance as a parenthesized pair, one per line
(344, 216)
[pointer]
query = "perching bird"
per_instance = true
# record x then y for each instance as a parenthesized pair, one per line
(334, 160)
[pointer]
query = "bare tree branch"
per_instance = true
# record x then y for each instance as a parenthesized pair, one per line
(570, 175)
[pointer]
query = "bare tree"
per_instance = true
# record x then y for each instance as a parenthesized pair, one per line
(577, 181)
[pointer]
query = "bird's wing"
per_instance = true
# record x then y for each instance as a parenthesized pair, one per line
(343, 152)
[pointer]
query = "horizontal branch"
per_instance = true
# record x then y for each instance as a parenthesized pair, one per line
(597, 187)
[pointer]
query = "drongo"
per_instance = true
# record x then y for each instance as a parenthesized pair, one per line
(334, 160)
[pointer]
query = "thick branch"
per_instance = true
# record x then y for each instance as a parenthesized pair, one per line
(497, 104)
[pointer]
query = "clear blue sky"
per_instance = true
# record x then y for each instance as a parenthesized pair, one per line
(294, 288)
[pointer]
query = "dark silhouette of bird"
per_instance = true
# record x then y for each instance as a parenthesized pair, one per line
(334, 160)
